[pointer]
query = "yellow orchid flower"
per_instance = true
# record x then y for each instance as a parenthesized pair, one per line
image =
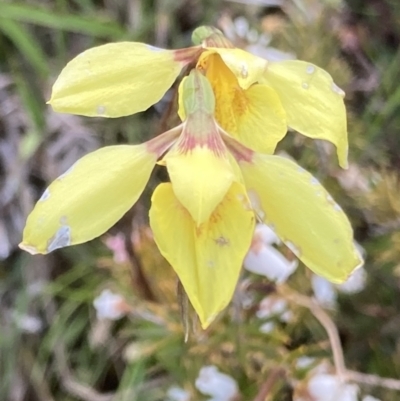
(202, 221)
(256, 100)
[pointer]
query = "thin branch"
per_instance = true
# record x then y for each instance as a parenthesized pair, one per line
(266, 388)
(373, 380)
(336, 345)
(326, 322)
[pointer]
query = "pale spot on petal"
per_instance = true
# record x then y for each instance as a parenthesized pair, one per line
(305, 85)
(244, 201)
(244, 71)
(154, 48)
(45, 195)
(337, 207)
(310, 69)
(338, 90)
(61, 239)
(100, 110)
(63, 175)
(256, 204)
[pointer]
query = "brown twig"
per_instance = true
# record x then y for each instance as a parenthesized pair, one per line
(325, 321)
(267, 386)
(373, 380)
(336, 345)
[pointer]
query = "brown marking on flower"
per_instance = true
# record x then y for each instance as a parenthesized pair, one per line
(222, 241)
(237, 149)
(201, 131)
(163, 142)
(187, 55)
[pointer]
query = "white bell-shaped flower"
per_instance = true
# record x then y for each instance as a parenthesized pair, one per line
(110, 306)
(324, 292)
(327, 387)
(370, 398)
(219, 386)
(355, 283)
(175, 393)
(265, 260)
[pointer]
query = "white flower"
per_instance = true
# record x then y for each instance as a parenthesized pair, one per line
(326, 387)
(273, 306)
(324, 291)
(116, 243)
(257, 43)
(267, 235)
(30, 324)
(304, 362)
(269, 53)
(219, 386)
(370, 398)
(264, 259)
(176, 393)
(267, 327)
(355, 283)
(110, 306)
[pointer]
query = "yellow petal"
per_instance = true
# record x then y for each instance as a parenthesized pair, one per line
(207, 259)
(303, 215)
(313, 103)
(200, 179)
(89, 198)
(261, 124)
(247, 68)
(116, 79)
(254, 116)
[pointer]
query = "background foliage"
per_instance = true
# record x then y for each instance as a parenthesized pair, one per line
(52, 345)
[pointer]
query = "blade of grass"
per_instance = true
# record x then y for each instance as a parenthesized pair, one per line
(25, 43)
(99, 26)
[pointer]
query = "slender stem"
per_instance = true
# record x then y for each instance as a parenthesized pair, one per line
(336, 345)
(373, 380)
(325, 321)
(267, 386)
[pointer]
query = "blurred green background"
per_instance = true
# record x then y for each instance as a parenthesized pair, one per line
(52, 345)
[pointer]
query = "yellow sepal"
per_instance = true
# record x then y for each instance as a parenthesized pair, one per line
(200, 179)
(88, 198)
(303, 214)
(115, 80)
